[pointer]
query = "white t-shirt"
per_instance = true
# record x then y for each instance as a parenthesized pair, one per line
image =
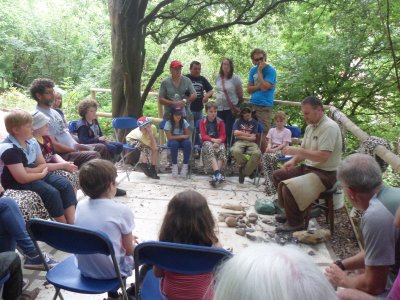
(231, 86)
(278, 137)
(176, 130)
(57, 126)
(114, 219)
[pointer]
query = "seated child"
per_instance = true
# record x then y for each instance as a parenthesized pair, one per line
(55, 163)
(101, 212)
(178, 135)
(212, 131)
(143, 138)
(26, 169)
(89, 131)
(188, 221)
(245, 133)
(278, 138)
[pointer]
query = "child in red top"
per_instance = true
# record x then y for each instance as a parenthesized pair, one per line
(212, 131)
(188, 221)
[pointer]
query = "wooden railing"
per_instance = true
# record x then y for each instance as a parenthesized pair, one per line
(392, 159)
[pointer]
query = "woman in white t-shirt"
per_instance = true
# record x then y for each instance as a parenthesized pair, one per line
(279, 137)
(229, 94)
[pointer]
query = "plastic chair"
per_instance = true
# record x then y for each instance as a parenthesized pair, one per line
(77, 240)
(172, 257)
(2, 281)
(166, 147)
(127, 124)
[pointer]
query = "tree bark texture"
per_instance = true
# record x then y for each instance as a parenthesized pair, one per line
(127, 40)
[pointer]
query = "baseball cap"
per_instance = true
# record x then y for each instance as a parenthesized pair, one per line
(143, 121)
(177, 110)
(175, 64)
(39, 119)
(245, 108)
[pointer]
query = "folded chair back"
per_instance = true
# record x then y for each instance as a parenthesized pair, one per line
(177, 258)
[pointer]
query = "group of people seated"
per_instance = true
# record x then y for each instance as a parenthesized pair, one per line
(40, 155)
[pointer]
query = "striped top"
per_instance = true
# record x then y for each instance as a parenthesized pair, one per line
(186, 287)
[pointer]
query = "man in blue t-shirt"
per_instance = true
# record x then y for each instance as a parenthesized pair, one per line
(261, 86)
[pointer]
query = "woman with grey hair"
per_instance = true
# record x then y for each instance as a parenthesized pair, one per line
(269, 272)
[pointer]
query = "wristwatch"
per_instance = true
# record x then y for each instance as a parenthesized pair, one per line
(340, 264)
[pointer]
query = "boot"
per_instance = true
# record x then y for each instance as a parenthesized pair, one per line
(145, 168)
(153, 172)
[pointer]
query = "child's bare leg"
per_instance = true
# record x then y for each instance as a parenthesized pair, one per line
(154, 156)
(69, 214)
(61, 219)
(214, 164)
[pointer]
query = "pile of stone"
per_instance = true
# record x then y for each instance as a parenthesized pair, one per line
(262, 228)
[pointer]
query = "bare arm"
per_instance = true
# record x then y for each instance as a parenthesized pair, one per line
(165, 101)
(244, 136)
(207, 96)
(171, 137)
(192, 97)
(263, 84)
(127, 243)
(61, 148)
(20, 174)
(313, 155)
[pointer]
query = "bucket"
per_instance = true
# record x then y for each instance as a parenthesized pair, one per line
(338, 199)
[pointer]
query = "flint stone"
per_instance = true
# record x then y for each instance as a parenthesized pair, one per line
(240, 231)
(230, 221)
(236, 207)
(319, 236)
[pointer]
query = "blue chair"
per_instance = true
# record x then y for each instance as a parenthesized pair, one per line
(173, 257)
(2, 281)
(72, 126)
(126, 124)
(165, 147)
(77, 240)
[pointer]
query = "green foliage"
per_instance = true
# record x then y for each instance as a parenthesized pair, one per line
(14, 98)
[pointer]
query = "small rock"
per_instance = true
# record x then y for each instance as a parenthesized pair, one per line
(319, 236)
(252, 220)
(240, 231)
(267, 221)
(255, 238)
(230, 221)
(311, 253)
(241, 225)
(258, 228)
(249, 230)
(221, 218)
(236, 207)
(253, 215)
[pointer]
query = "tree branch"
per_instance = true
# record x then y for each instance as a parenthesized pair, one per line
(154, 12)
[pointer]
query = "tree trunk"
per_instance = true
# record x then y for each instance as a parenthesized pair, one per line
(127, 40)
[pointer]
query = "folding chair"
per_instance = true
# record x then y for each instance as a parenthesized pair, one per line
(72, 129)
(2, 281)
(76, 240)
(127, 124)
(166, 147)
(172, 257)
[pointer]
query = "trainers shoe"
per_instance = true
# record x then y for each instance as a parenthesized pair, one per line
(184, 170)
(120, 192)
(35, 263)
(219, 177)
(174, 170)
(289, 228)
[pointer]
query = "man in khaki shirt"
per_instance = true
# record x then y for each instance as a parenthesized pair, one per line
(321, 152)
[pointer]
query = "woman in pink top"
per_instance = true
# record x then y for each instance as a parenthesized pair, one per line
(278, 138)
(188, 221)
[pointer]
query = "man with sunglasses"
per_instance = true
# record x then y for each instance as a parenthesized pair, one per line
(261, 86)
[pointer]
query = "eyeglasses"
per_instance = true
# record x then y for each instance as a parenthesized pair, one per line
(259, 58)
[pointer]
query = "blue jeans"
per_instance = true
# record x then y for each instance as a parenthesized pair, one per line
(229, 119)
(56, 192)
(186, 145)
(197, 115)
(12, 229)
(114, 148)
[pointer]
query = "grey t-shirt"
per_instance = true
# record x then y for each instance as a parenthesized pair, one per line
(169, 91)
(379, 233)
(57, 127)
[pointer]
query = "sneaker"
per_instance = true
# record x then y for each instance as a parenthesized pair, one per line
(219, 177)
(25, 283)
(120, 192)
(286, 227)
(184, 170)
(35, 263)
(174, 171)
